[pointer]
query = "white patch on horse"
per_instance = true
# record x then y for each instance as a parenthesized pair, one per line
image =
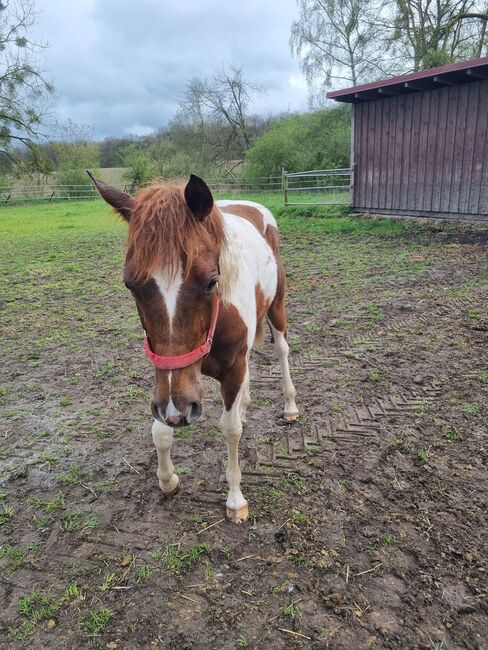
(171, 409)
(169, 286)
(268, 219)
(246, 262)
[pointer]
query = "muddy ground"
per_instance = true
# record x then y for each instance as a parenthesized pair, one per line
(368, 523)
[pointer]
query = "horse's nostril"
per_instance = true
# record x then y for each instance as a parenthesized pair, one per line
(195, 411)
(155, 412)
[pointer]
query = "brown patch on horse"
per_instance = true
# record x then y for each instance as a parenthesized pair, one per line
(232, 382)
(247, 212)
(276, 311)
(163, 231)
(227, 360)
(262, 306)
(272, 237)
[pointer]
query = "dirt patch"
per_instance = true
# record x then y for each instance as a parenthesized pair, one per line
(368, 516)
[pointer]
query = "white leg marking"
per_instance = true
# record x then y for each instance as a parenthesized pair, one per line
(231, 426)
(282, 350)
(246, 397)
(162, 436)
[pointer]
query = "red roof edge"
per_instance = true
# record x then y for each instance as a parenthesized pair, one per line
(413, 76)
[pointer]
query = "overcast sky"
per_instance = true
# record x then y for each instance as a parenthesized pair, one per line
(120, 66)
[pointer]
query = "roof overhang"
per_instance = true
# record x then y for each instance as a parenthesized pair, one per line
(446, 75)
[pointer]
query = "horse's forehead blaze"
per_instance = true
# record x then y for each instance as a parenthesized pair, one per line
(169, 286)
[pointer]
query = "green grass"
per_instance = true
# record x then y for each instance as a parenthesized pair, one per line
(292, 611)
(6, 514)
(38, 606)
(49, 505)
(65, 222)
(452, 435)
(95, 621)
(63, 259)
(57, 221)
(179, 559)
(13, 558)
(74, 476)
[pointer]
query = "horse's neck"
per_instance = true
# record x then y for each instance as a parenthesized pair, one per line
(230, 261)
(246, 260)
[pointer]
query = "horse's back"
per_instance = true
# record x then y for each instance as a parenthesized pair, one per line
(257, 214)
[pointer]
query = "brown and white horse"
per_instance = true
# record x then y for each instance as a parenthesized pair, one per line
(204, 276)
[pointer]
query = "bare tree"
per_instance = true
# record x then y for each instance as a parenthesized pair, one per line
(427, 33)
(353, 41)
(339, 40)
(23, 87)
(218, 109)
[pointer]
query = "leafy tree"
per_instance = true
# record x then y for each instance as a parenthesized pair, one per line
(140, 167)
(319, 140)
(24, 91)
(155, 157)
(75, 153)
(111, 150)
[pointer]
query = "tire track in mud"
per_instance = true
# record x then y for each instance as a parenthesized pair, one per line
(392, 410)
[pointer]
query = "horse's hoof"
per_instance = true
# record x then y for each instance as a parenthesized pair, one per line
(291, 417)
(170, 488)
(238, 516)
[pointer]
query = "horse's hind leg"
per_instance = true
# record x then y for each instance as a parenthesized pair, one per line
(162, 436)
(277, 323)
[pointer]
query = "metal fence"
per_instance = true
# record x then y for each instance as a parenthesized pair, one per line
(317, 187)
(229, 185)
(18, 193)
(31, 193)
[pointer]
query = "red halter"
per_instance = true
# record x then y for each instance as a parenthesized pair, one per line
(184, 360)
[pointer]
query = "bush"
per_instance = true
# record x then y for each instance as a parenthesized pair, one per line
(140, 167)
(158, 159)
(73, 159)
(319, 140)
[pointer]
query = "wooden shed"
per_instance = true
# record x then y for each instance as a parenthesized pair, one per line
(420, 142)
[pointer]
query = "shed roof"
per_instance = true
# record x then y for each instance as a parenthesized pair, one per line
(446, 75)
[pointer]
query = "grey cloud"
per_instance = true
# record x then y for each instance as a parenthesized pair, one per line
(120, 65)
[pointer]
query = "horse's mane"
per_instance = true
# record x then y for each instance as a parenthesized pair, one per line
(163, 231)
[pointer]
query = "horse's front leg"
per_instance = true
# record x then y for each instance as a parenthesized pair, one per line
(162, 436)
(234, 387)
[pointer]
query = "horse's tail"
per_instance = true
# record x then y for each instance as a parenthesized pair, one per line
(259, 336)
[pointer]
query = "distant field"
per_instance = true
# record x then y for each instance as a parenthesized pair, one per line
(368, 516)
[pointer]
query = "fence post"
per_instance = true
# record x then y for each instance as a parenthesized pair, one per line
(285, 185)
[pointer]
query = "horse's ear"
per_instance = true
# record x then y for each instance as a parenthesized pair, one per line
(122, 202)
(198, 197)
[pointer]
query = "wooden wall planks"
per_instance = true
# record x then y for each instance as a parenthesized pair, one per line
(423, 153)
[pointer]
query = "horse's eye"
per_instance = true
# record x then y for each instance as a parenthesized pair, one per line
(210, 286)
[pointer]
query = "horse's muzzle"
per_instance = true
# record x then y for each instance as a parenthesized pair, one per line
(170, 415)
